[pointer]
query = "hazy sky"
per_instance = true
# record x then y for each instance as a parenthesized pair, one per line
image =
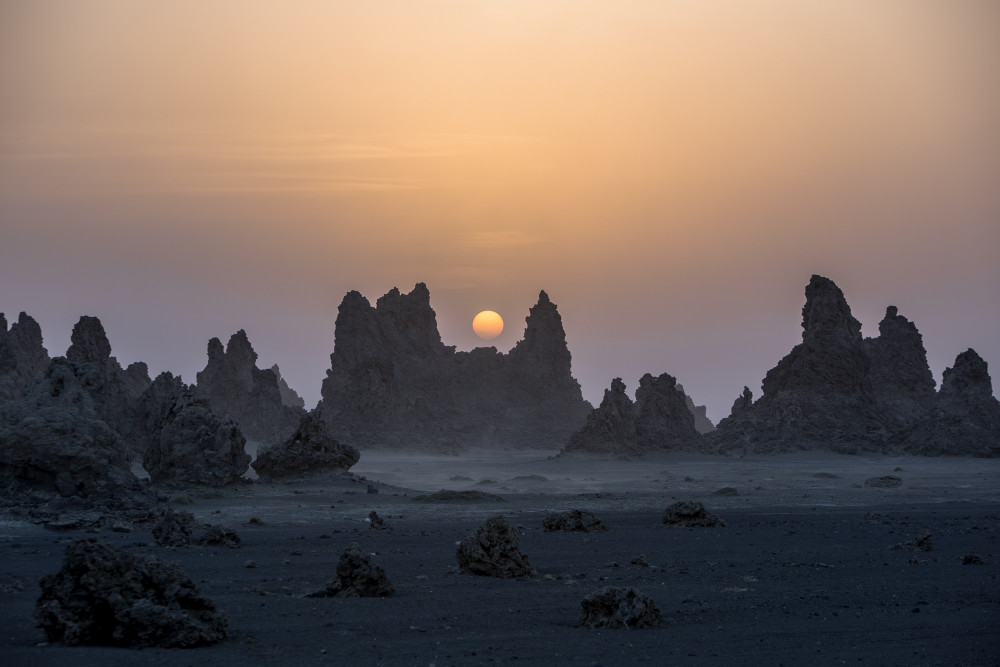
(670, 172)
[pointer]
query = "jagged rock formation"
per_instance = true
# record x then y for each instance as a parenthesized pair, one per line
(688, 514)
(193, 446)
(289, 396)
(104, 596)
(965, 418)
(836, 390)
(392, 382)
(53, 443)
(702, 423)
(357, 577)
(494, 551)
(22, 357)
(310, 449)
(238, 390)
(616, 607)
(658, 420)
(580, 521)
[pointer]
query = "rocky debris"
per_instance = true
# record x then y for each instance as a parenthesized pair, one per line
(105, 596)
(658, 420)
(922, 543)
(23, 359)
(469, 495)
(179, 529)
(973, 559)
(392, 382)
(836, 390)
(965, 418)
(616, 607)
(289, 396)
(238, 390)
(375, 522)
(884, 482)
(689, 514)
(357, 577)
(310, 448)
(494, 551)
(194, 446)
(573, 521)
(174, 529)
(53, 444)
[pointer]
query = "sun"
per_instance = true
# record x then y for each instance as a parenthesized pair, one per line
(487, 325)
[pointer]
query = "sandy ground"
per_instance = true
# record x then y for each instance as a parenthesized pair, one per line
(803, 572)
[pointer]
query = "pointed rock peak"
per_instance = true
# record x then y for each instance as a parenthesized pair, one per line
(826, 316)
(239, 347)
(354, 300)
(543, 297)
(89, 342)
(618, 387)
(891, 312)
(215, 350)
(969, 376)
(3, 325)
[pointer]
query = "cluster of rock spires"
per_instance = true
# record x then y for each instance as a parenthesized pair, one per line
(393, 382)
(841, 391)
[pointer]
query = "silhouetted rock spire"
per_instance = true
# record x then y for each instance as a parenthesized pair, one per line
(23, 359)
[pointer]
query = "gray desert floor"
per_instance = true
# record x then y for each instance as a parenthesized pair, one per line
(803, 573)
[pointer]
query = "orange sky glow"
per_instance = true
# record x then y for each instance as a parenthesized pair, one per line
(670, 172)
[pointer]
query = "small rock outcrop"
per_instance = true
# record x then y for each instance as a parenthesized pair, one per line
(884, 482)
(105, 596)
(660, 419)
(494, 551)
(194, 446)
(53, 443)
(236, 389)
(309, 449)
(619, 608)
(688, 514)
(23, 359)
(393, 383)
(580, 521)
(357, 577)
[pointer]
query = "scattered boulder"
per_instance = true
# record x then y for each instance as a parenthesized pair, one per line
(573, 521)
(494, 551)
(218, 536)
(393, 383)
(689, 514)
(310, 448)
(105, 596)
(922, 543)
(357, 577)
(619, 608)
(972, 559)
(660, 419)
(174, 529)
(237, 389)
(375, 522)
(884, 482)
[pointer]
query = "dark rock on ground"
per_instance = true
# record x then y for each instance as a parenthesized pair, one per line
(310, 448)
(573, 521)
(218, 536)
(194, 446)
(357, 577)
(237, 389)
(973, 559)
(689, 513)
(378, 523)
(105, 596)
(884, 482)
(23, 359)
(619, 608)
(922, 543)
(392, 382)
(179, 529)
(494, 551)
(660, 419)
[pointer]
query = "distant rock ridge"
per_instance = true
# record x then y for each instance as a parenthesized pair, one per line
(392, 382)
(702, 423)
(836, 390)
(660, 419)
(23, 359)
(237, 389)
(289, 396)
